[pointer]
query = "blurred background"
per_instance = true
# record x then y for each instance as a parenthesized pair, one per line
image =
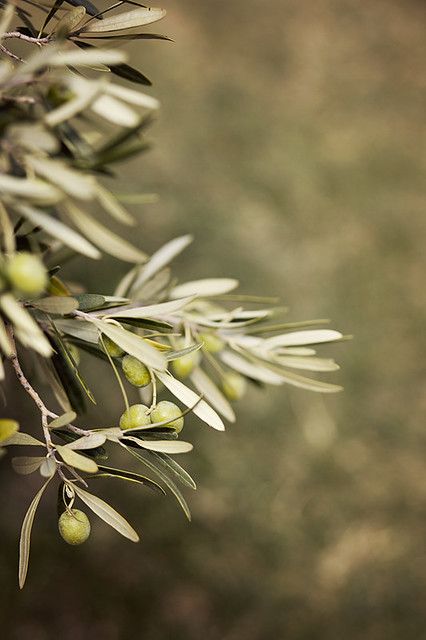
(291, 143)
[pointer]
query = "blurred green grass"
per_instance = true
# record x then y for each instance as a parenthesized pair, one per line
(290, 143)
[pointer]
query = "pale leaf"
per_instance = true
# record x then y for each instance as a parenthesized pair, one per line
(204, 288)
(63, 420)
(300, 338)
(163, 446)
(130, 95)
(60, 305)
(76, 460)
(189, 398)
(161, 259)
(74, 183)
(210, 391)
(103, 237)
(107, 513)
(25, 465)
(152, 311)
(255, 371)
(25, 539)
(132, 344)
(30, 188)
(126, 20)
(115, 111)
(24, 439)
(90, 441)
(60, 231)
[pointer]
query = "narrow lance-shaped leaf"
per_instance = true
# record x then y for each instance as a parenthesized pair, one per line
(126, 20)
(76, 460)
(161, 259)
(204, 288)
(22, 439)
(210, 391)
(25, 539)
(155, 310)
(162, 446)
(91, 441)
(189, 398)
(104, 238)
(60, 231)
(132, 344)
(300, 338)
(130, 476)
(107, 513)
(62, 420)
(163, 476)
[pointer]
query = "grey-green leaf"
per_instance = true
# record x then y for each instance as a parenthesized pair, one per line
(107, 513)
(25, 539)
(62, 420)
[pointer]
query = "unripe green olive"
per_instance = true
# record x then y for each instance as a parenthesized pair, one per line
(185, 365)
(135, 371)
(135, 416)
(27, 274)
(234, 385)
(166, 410)
(212, 342)
(74, 526)
(112, 348)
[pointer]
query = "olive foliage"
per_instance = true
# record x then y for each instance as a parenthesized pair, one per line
(72, 109)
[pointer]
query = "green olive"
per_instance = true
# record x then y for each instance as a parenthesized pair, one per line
(135, 371)
(212, 343)
(135, 416)
(234, 385)
(112, 348)
(27, 274)
(185, 365)
(166, 410)
(74, 526)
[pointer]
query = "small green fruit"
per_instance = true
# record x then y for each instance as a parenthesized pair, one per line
(135, 371)
(74, 526)
(166, 410)
(234, 385)
(212, 343)
(27, 274)
(185, 365)
(113, 349)
(135, 416)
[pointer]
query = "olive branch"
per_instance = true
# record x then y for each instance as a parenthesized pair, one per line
(66, 125)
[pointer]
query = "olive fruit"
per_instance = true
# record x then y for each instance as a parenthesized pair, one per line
(74, 526)
(234, 385)
(27, 274)
(212, 343)
(166, 410)
(185, 365)
(135, 416)
(135, 371)
(112, 348)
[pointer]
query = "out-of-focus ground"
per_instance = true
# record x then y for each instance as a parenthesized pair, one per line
(291, 143)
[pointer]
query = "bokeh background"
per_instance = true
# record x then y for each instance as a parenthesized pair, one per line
(291, 143)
